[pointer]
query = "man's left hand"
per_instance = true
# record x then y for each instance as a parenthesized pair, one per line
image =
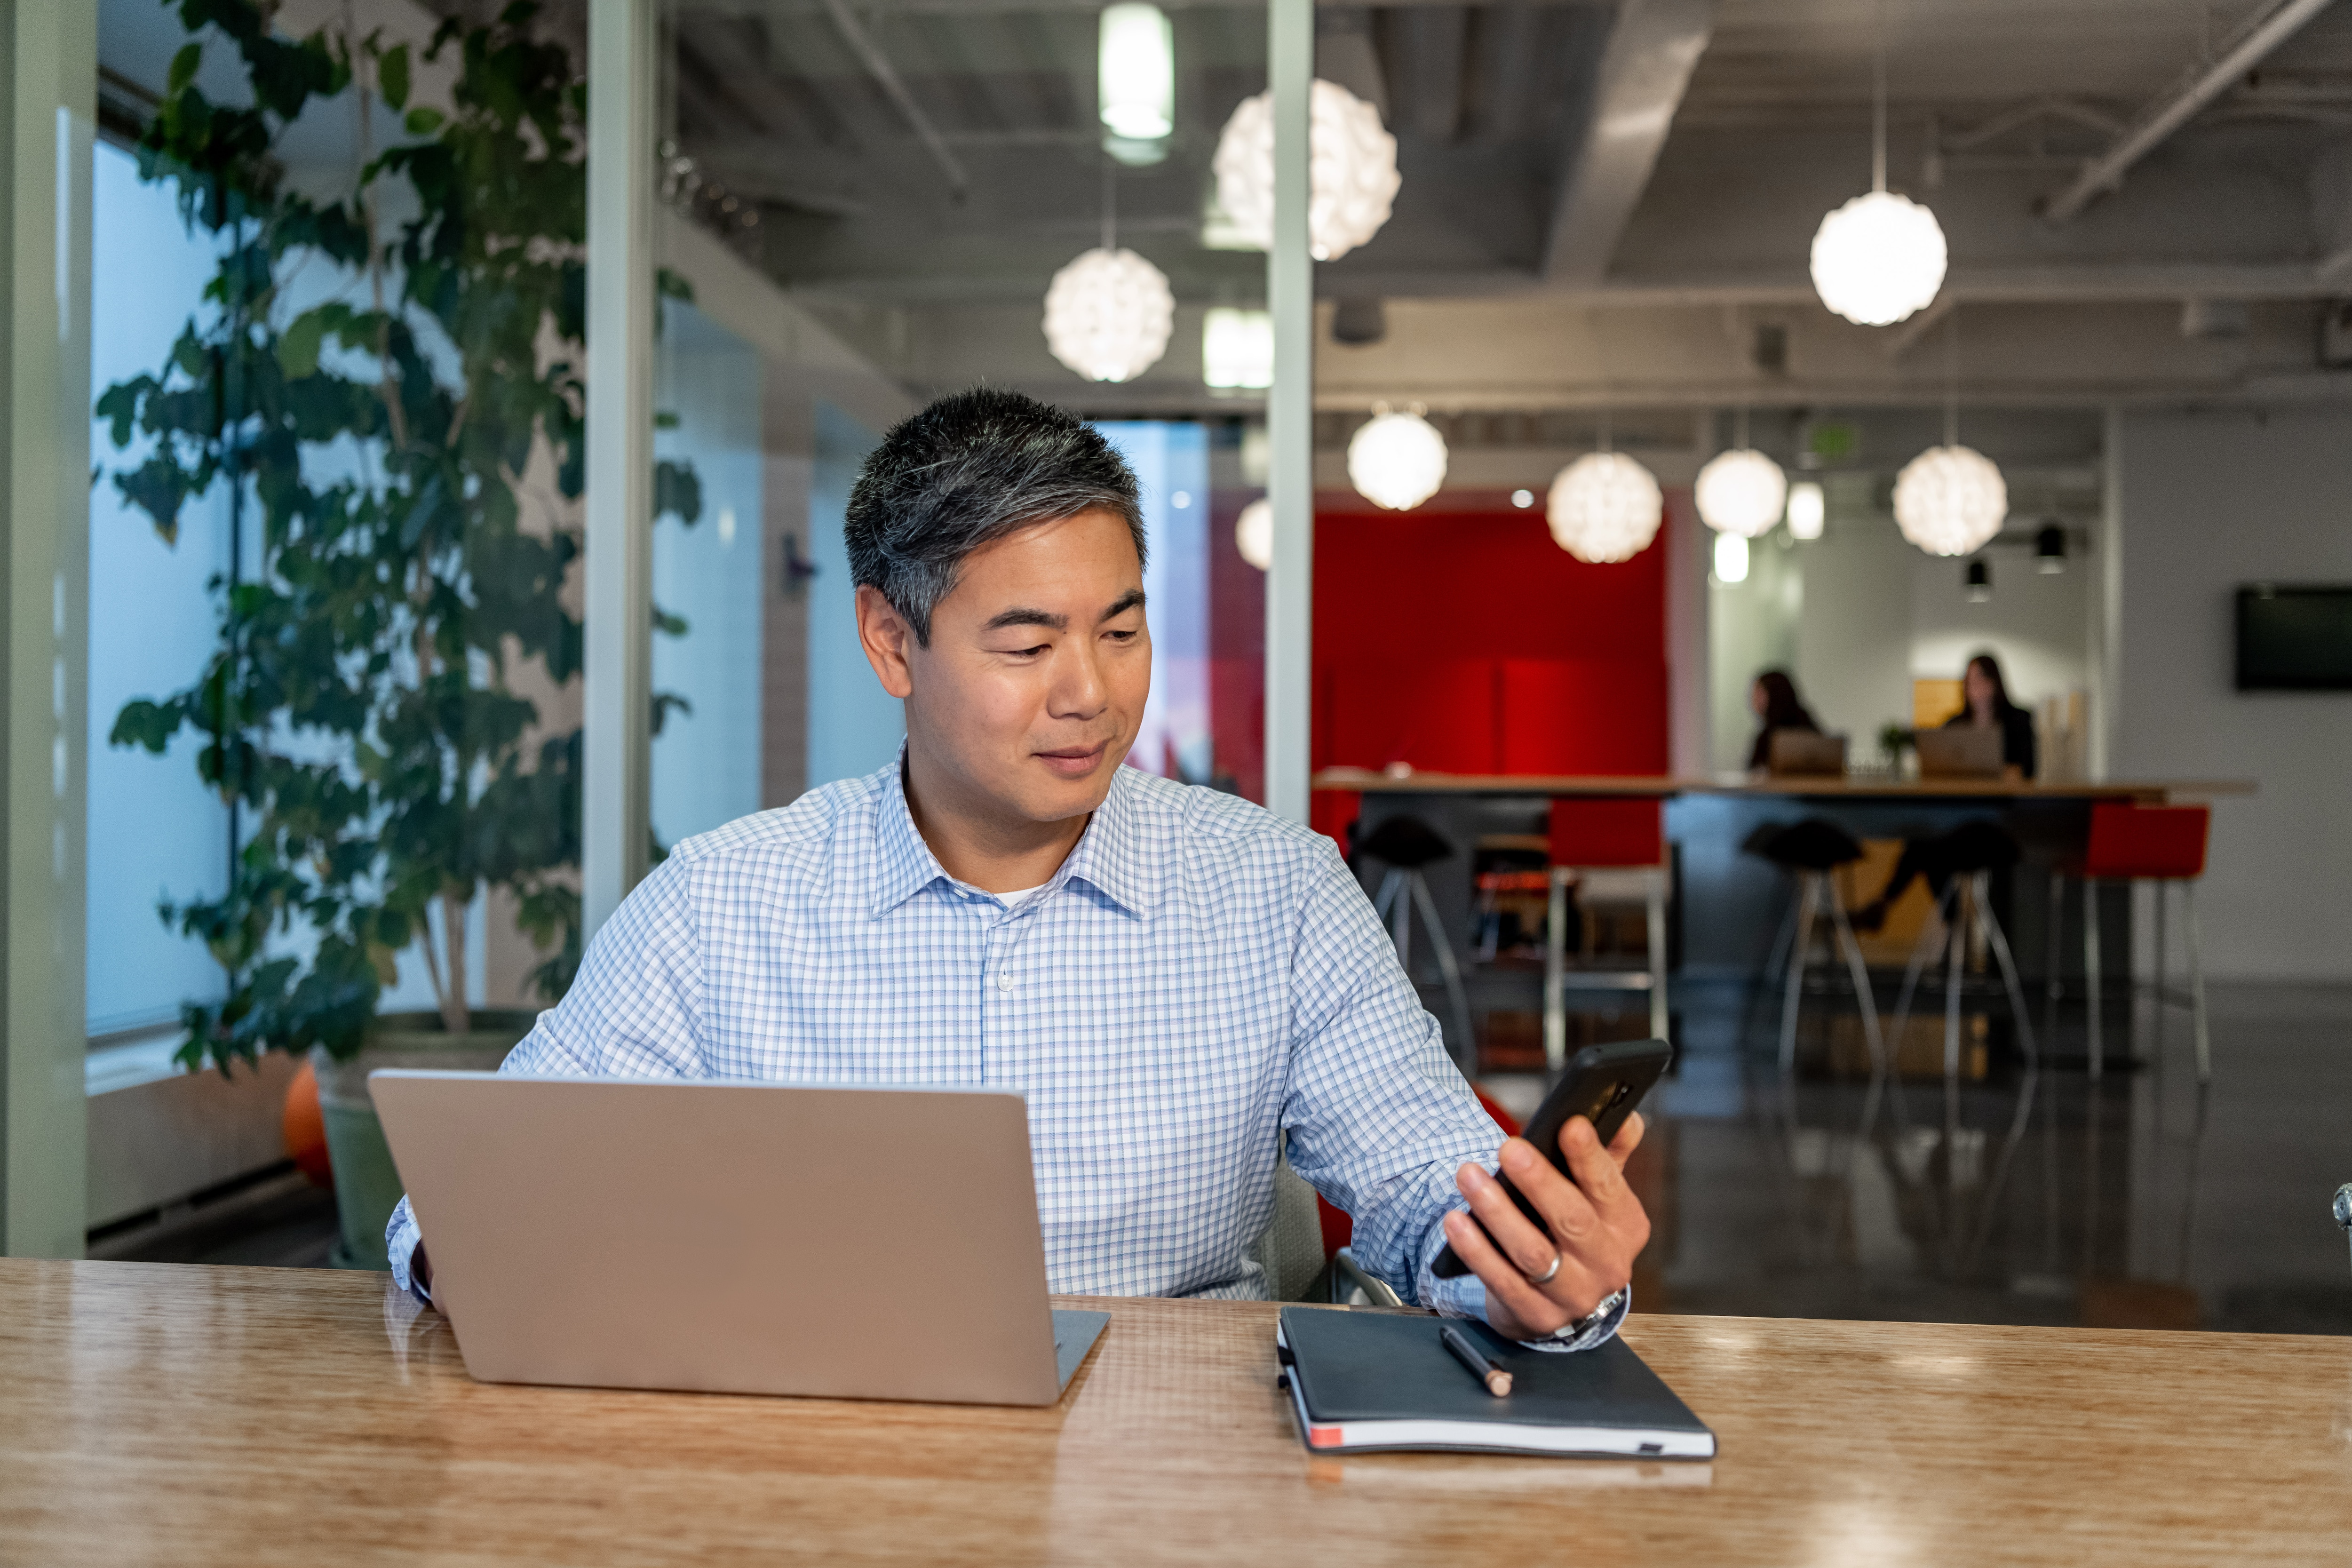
(1540, 1280)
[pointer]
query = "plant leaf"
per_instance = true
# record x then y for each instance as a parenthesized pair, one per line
(392, 75)
(184, 70)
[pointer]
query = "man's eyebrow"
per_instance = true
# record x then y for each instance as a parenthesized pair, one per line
(1021, 616)
(1130, 600)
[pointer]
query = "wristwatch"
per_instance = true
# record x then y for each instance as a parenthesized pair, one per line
(1592, 1320)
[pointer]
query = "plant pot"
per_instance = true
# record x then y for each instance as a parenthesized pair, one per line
(367, 1184)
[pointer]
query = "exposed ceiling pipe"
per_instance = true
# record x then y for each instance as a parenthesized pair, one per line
(877, 65)
(2251, 43)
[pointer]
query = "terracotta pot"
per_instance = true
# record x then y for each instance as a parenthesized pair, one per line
(367, 1184)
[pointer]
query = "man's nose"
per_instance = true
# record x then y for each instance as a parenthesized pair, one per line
(1079, 690)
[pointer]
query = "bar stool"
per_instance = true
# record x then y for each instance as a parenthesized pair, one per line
(1612, 852)
(2161, 844)
(1408, 844)
(1959, 866)
(1809, 850)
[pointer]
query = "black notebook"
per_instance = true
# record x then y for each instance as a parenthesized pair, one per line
(1366, 1381)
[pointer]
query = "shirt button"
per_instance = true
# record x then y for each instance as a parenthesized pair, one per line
(1004, 981)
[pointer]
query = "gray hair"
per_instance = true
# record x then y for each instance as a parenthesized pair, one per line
(966, 471)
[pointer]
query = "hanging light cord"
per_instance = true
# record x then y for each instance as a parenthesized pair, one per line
(1110, 205)
(1952, 378)
(1878, 106)
(1742, 436)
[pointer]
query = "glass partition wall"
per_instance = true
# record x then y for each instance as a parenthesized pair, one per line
(865, 207)
(348, 642)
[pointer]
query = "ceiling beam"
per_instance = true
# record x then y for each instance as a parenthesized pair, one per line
(2261, 33)
(1612, 151)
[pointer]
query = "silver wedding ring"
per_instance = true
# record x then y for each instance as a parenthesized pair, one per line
(1545, 1277)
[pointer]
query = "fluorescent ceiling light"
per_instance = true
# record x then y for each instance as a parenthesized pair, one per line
(1731, 558)
(1136, 73)
(1237, 349)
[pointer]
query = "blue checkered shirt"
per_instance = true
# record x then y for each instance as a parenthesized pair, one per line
(1200, 981)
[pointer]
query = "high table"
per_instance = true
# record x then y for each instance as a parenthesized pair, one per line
(1732, 903)
(169, 1414)
(1841, 787)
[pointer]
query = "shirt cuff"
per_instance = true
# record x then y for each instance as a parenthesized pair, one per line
(400, 1240)
(1465, 1297)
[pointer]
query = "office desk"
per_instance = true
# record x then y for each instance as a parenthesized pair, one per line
(159, 1413)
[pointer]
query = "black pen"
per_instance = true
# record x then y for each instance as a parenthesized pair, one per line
(1498, 1381)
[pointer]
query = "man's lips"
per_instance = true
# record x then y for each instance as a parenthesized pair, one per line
(1074, 761)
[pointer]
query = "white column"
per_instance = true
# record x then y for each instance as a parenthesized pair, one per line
(615, 808)
(2106, 616)
(48, 76)
(1290, 417)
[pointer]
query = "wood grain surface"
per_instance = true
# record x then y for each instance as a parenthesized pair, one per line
(2145, 791)
(157, 1414)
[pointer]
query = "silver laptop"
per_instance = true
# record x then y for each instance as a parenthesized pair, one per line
(1805, 753)
(1964, 752)
(736, 1238)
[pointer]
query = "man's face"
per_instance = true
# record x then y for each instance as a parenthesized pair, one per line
(1032, 686)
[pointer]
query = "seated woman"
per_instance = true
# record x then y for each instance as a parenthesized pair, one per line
(1774, 699)
(1988, 708)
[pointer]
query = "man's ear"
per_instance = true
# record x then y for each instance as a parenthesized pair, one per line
(888, 640)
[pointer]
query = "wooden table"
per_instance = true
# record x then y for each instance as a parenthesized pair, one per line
(161, 1413)
(2149, 792)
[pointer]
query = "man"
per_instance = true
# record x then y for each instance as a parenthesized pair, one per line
(1176, 979)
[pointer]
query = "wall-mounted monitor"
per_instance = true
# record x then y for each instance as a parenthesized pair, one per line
(2294, 637)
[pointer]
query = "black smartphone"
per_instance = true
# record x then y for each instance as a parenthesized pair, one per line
(1602, 1084)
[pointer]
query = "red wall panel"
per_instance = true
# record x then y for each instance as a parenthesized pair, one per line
(1469, 641)
(1434, 713)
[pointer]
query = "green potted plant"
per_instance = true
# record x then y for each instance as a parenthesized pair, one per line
(402, 456)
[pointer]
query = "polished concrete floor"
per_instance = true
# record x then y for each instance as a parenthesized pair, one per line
(2024, 1197)
(2027, 1197)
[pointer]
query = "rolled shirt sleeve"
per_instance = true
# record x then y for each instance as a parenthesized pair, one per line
(1378, 1115)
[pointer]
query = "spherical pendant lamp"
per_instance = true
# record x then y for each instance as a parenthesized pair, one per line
(1253, 533)
(1351, 171)
(1741, 492)
(1108, 315)
(1808, 509)
(1605, 507)
(1951, 500)
(1878, 259)
(1396, 461)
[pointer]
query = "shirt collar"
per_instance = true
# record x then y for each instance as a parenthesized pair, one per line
(1109, 856)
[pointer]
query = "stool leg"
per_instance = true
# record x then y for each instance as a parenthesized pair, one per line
(2197, 986)
(2163, 964)
(1657, 901)
(1861, 973)
(2053, 984)
(1798, 950)
(2091, 976)
(1999, 942)
(1393, 905)
(1920, 950)
(1555, 1022)
(1956, 958)
(1447, 967)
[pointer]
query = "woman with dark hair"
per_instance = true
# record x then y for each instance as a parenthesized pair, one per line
(1773, 698)
(1988, 708)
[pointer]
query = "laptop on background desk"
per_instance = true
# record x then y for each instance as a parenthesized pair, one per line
(1964, 752)
(735, 1237)
(1804, 754)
